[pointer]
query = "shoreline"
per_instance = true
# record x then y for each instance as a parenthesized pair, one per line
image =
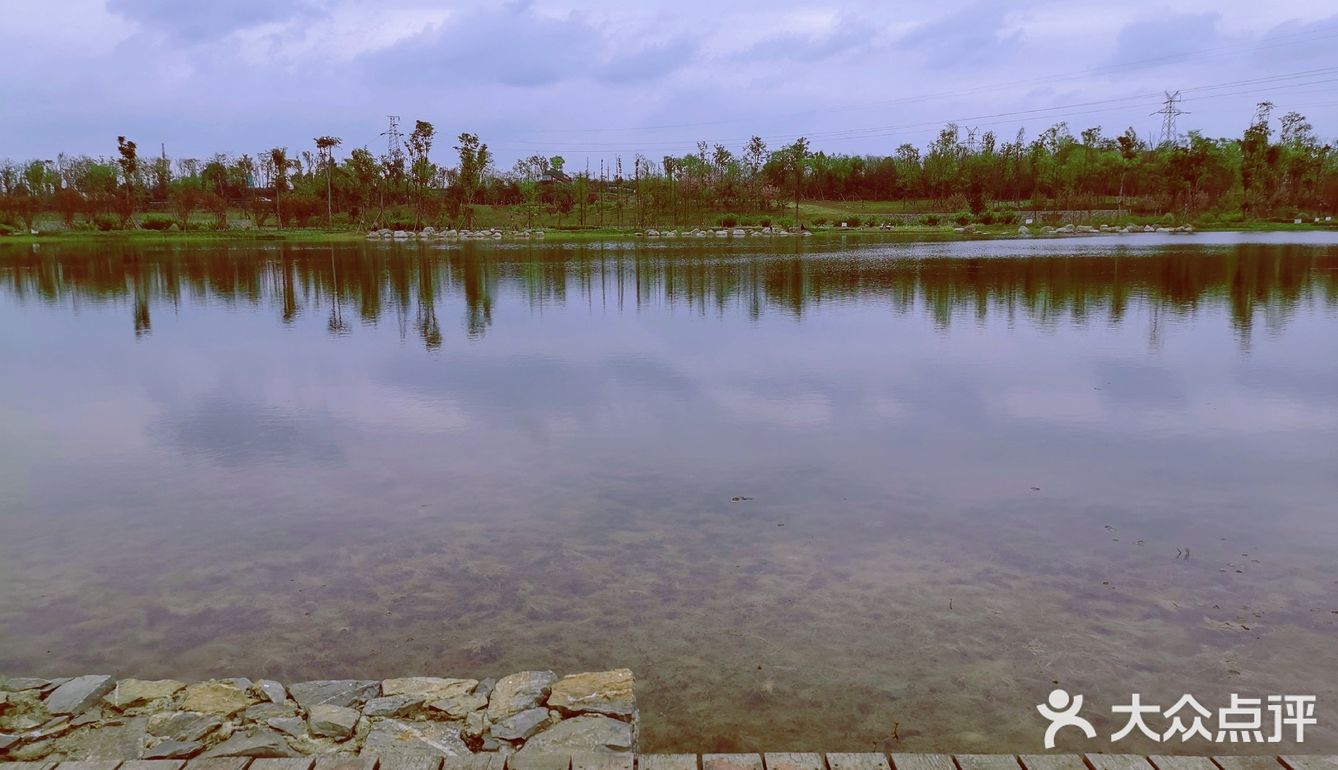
(912, 232)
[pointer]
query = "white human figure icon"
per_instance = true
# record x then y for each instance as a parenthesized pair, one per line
(1062, 711)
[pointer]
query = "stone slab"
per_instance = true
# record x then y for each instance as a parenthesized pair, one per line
(860, 761)
(667, 762)
(731, 762)
(27, 765)
(793, 760)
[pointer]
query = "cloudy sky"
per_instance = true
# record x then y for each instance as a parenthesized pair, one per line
(595, 79)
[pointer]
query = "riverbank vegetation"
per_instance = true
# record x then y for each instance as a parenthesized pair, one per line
(1277, 171)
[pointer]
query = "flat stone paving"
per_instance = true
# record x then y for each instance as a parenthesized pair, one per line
(777, 761)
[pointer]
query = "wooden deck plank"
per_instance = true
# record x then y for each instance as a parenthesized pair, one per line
(1119, 762)
(667, 762)
(602, 760)
(857, 761)
(524, 761)
(1310, 762)
(486, 761)
(1248, 763)
(1166, 762)
(297, 763)
(922, 762)
(408, 761)
(987, 762)
(153, 764)
(218, 763)
(1052, 762)
(731, 762)
(793, 760)
(93, 764)
(343, 763)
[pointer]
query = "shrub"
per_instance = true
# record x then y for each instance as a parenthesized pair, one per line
(986, 218)
(819, 221)
(105, 222)
(765, 221)
(962, 218)
(929, 219)
(155, 222)
(729, 220)
(852, 221)
(1167, 219)
(1005, 217)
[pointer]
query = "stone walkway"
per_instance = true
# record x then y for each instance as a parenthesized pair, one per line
(780, 761)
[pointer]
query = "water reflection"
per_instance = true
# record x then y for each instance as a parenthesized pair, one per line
(1085, 283)
(971, 466)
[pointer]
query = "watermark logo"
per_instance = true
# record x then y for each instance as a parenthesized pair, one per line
(1245, 720)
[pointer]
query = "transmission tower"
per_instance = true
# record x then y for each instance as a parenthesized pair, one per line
(1169, 111)
(392, 134)
(971, 139)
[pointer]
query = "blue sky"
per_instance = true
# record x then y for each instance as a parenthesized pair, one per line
(597, 79)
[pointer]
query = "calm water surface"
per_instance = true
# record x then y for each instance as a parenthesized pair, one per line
(974, 471)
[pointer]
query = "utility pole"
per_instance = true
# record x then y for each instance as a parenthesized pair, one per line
(1169, 111)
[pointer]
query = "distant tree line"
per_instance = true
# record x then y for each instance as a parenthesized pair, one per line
(1262, 174)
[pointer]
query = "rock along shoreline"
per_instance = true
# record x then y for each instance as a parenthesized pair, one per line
(530, 712)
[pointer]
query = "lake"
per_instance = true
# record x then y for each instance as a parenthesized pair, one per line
(971, 472)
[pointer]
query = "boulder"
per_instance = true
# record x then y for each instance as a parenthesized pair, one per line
(257, 742)
(391, 736)
(294, 726)
(174, 750)
(119, 741)
(428, 688)
(20, 683)
(600, 692)
(215, 698)
(518, 727)
(335, 692)
(183, 726)
(518, 692)
(79, 694)
(272, 690)
(458, 706)
(392, 705)
(129, 693)
(591, 732)
(329, 721)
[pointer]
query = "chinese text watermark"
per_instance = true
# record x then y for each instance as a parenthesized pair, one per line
(1272, 719)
